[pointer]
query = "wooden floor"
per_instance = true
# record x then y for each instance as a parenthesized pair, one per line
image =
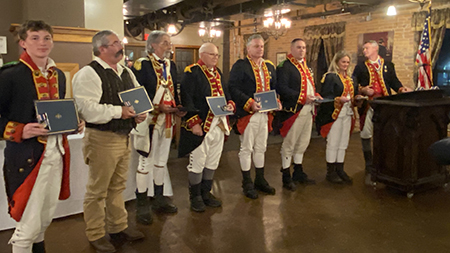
(317, 218)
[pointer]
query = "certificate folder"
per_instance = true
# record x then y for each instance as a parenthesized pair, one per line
(267, 99)
(137, 98)
(59, 116)
(218, 106)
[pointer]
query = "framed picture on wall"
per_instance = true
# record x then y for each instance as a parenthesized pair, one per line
(281, 57)
(385, 42)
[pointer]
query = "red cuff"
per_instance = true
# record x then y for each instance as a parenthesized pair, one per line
(194, 120)
(248, 105)
(13, 131)
(230, 102)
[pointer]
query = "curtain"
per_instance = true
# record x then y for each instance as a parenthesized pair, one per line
(332, 36)
(440, 21)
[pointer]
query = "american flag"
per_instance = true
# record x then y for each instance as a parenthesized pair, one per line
(423, 58)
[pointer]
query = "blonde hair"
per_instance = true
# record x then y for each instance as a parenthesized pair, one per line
(334, 67)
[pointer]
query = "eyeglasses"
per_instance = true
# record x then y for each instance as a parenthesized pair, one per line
(166, 43)
(115, 43)
(213, 55)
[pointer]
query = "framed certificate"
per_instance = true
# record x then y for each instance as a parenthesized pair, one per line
(59, 116)
(218, 106)
(267, 99)
(137, 98)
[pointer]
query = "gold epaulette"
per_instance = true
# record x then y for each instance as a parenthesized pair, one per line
(188, 68)
(138, 63)
(271, 63)
(323, 77)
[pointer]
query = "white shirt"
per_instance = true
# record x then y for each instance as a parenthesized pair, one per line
(87, 91)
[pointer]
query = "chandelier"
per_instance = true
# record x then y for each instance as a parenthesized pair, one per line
(275, 24)
(208, 31)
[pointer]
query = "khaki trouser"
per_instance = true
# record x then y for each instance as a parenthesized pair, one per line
(107, 155)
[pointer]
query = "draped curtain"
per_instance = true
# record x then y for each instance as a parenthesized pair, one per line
(332, 36)
(440, 21)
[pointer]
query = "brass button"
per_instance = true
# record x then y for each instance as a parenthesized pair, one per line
(29, 160)
(21, 170)
(13, 131)
(11, 138)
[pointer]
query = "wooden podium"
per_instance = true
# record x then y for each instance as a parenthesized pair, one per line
(405, 125)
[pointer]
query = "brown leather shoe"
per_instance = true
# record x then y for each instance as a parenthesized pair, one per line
(103, 245)
(130, 234)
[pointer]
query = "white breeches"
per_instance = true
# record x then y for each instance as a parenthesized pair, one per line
(207, 155)
(153, 169)
(367, 131)
(254, 140)
(41, 205)
(337, 139)
(296, 140)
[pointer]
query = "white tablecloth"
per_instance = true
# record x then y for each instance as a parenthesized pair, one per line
(78, 180)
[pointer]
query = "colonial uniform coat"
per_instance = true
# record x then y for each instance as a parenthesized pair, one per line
(145, 73)
(243, 83)
(292, 87)
(366, 74)
(20, 85)
(195, 87)
(332, 88)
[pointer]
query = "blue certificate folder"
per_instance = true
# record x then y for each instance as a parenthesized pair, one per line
(59, 116)
(137, 98)
(267, 99)
(218, 106)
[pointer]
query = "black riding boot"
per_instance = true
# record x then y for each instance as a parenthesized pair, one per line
(287, 180)
(143, 212)
(341, 173)
(332, 175)
(247, 186)
(195, 196)
(299, 176)
(38, 247)
(161, 204)
(208, 198)
(261, 183)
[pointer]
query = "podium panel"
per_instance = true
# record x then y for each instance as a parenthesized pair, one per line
(405, 125)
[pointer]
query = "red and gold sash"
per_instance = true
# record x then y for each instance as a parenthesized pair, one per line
(46, 88)
(168, 85)
(376, 81)
(256, 69)
(348, 90)
(305, 75)
(216, 91)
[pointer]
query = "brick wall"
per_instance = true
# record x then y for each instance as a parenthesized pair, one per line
(404, 50)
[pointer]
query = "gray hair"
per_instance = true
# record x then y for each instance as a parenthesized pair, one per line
(373, 43)
(205, 46)
(154, 37)
(254, 37)
(100, 40)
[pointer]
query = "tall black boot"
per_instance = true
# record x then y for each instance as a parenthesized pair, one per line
(369, 161)
(287, 180)
(332, 176)
(161, 204)
(341, 173)
(195, 196)
(143, 212)
(247, 186)
(298, 176)
(38, 247)
(261, 183)
(208, 198)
